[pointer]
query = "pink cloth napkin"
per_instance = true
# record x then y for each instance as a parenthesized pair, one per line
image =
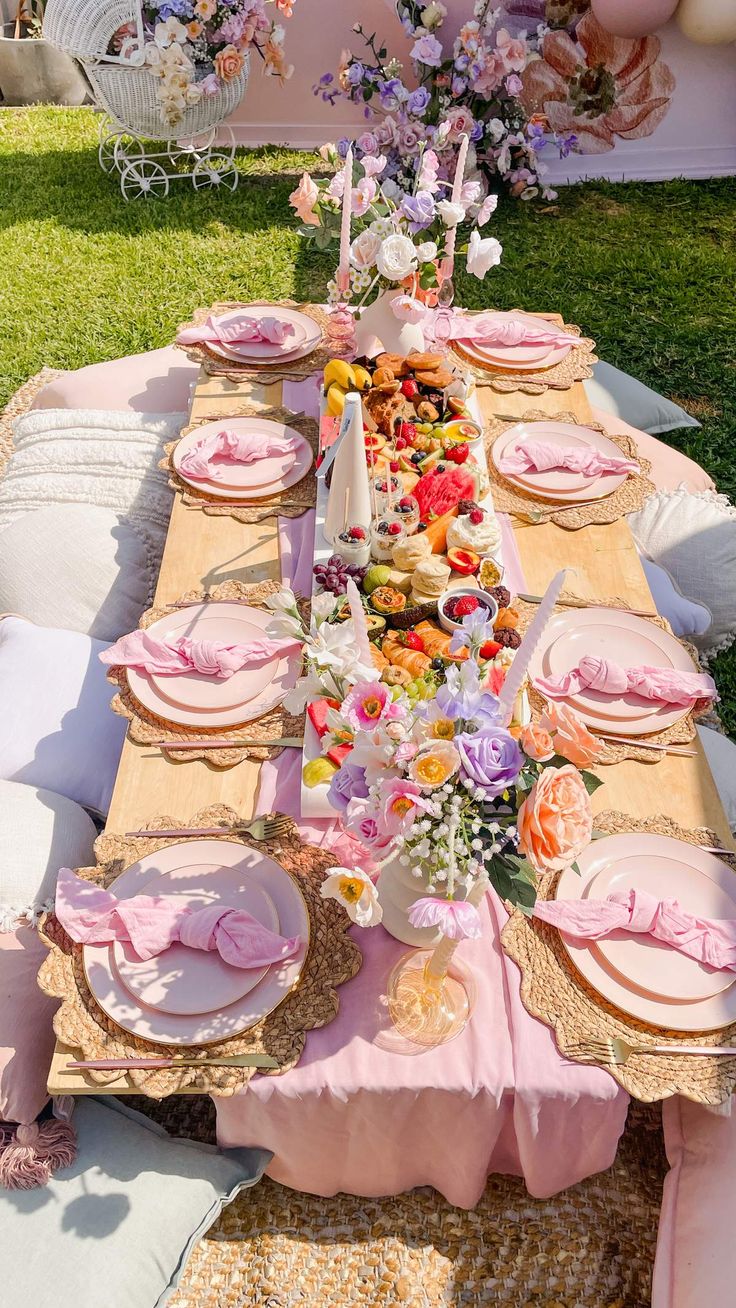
(505, 333)
(663, 685)
(232, 448)
(245, 330)
(709, 940)
(213, 658)
(538, 456)
(152, 923)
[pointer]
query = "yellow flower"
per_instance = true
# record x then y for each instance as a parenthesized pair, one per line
(442, 729)
(433, 766)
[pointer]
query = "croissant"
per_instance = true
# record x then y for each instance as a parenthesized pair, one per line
(411, 659)
(380, 662)
(437, 642)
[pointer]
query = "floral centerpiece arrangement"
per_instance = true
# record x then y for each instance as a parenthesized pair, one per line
(402, 232)
(443, 784)
(473, 84)
(194, 46)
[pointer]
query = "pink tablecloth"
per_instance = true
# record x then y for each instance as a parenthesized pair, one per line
(355, 1117)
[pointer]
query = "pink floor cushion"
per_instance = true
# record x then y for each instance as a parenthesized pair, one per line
(158, 381)
(670, 469)
(26, 1030)
(696, 1251)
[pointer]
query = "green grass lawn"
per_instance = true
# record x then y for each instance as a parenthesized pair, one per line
(648, 270)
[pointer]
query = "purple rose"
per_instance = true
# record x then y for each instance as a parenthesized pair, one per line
(514, 84)
(419, 209)
(367, 143)
(347, 784)
(355, 74)
(490, 758)
(418, 101)
(427, 50)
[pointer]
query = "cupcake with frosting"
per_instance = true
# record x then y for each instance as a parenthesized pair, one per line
(478, 530)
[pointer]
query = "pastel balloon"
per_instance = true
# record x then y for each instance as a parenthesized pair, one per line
(633, 18)
(708, 22)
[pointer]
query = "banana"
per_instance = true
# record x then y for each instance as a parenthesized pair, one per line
(335, 400)
(362, 377)
(339, 371)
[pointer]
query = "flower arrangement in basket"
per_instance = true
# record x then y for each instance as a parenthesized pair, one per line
(442, 778)
(197, 48)
(474, 83)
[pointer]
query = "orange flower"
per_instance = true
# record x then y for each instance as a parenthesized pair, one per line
(432, 767)
(229, 63)
(302, 200)
(572, 738)
(194, 29)
(555, 823)
(598, 85)
(536, 742)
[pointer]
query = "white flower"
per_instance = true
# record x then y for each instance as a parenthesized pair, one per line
(283, 601)
(434, 14)
(396, 258)
(364, 249)
(354, 889)
(483, 253)
(427, 251)
(496, 130)
(172, 30)
(451, 214)
(322, 606)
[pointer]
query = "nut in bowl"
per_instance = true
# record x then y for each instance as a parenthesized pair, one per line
(459, 602)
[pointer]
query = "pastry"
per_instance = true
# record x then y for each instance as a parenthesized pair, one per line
(437, 378)
(411, 551)
(430, 579)
(425, 361)
(437, 642)
(478, 530)
(404, 657)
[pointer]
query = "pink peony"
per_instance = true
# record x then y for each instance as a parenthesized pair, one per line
(407, 309)
(401, 800)
(456, 919)
(368, 703)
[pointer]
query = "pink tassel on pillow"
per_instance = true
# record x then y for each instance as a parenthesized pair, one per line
(31, 1154)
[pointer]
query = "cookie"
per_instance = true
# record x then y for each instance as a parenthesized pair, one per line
(425, 361)
(396, 363)
(438, 377)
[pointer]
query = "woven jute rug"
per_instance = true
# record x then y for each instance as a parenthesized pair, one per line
(590, 1247)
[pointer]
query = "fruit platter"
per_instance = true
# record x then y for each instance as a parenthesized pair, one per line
(406, 513)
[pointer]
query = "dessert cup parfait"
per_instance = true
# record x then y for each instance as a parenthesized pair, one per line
(388, 488)
(385, 534)
(353, 544)
(406, 511)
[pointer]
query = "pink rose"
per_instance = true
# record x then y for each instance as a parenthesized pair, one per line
(229, 63)
(386, 132)
(408, 139)
(407, 309)
(537, 743)
(572, 738)
(367, 143)
(363, 195)
(303, 200)
(461, 122)
(209, 85)
(555, 823)
(512, 51)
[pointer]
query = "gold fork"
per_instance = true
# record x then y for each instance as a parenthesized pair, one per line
(613, 1051)
(260, 829)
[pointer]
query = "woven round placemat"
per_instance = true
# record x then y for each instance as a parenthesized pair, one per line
(590, 1247)
(508, 498)
(332, 958)
(288, 503)
(265, 374)
(682, 732)
(147, 729)
(575, 367)
(554, 991)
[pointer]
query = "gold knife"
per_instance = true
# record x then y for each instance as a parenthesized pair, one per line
(142, 1064)
(589, 604)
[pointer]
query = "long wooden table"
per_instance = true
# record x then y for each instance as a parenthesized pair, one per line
(202, 551)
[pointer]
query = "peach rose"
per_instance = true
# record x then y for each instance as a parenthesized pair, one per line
(229, 63)
(555, 823)
(303, 200)
(536, 742)
(571, 736)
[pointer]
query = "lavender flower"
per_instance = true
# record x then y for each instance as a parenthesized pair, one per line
(418, 101)
(349, 783)
(490, 759)
(427, 50)
(419, 209)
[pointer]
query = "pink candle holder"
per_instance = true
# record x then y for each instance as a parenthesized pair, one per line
(341, 323)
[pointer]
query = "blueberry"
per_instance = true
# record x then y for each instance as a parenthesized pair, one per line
(438, 664)
(440, 467)
(421, 526)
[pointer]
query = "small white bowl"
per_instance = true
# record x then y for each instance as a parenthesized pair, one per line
(449, 624)
(456, 422)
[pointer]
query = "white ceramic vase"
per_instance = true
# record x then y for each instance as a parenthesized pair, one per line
(398, 889)
(378, 329)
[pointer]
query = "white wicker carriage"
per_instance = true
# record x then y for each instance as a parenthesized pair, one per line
(133, 126)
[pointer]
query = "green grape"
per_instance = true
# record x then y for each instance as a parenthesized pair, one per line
(396, 692)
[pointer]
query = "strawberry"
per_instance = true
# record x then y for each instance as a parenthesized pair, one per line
(408, 431)
(412, 640)
(465, 605)
(476, 517)
(490, 649)
(409, 388)
(457, 453)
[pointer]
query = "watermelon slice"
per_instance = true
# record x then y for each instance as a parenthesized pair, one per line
(318, 711)
(439, 492)
(338, 754)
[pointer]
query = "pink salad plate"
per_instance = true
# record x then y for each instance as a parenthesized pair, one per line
(526, 358)
(307, 335)
(643, 977)
(194, 700)
(214, 869)
(625, 639)
(248, 481)
(558, 484)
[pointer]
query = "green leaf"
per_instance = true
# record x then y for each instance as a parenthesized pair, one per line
(322, 238)
(591, 782)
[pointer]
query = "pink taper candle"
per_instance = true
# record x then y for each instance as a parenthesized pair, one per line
(343, 270)
(457, 189)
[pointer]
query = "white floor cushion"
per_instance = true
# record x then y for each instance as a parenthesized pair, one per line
(88, 456)
(57, 729)
(115, 1230)
(159, 381)
(615, 391)
(685, 618)
(39, 833)
(80, 567)
(720, 752)
(694, 538)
